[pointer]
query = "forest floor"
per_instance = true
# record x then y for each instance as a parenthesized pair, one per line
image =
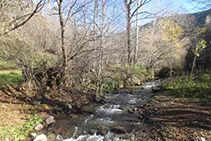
(174, 119)
(179, 119)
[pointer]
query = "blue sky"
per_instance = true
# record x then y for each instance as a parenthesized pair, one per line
(190, 6)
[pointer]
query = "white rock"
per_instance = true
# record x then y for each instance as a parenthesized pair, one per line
(41, 137)
(33, 135)
(50, 120)
(38, 127)
(203, 139)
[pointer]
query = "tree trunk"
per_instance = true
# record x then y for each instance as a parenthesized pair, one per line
(64, 55)
(137, 34)
(129, 33)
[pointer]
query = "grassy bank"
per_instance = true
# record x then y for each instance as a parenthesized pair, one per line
(11, 77)
(197, 87)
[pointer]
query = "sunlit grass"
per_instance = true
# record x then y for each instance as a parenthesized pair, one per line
(11, 78)
(198, 87)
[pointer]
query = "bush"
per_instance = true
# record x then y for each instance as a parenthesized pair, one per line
(164, 72)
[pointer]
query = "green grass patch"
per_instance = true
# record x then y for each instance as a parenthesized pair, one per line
(11, 78)
(198, 87)
(21, 130)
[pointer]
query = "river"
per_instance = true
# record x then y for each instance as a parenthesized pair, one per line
(108, 122)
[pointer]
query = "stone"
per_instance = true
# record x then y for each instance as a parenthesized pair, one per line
(59, 138)
(37, 102)
(33, 135)
(38, 127)
(203, 139)
(84, 132)
(69, 106)
(128, 137)
(130, 111)
(92, 132)
(119, 130)
(3, 107)
(102, 130)
(73, 116)
(50, 120)
(51, 137)
(41, 137)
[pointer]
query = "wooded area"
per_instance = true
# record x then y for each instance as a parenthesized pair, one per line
(73, 41)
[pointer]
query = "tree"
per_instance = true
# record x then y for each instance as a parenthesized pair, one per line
(173, 32)
(200, 46)
(130, 11)
(15, 14)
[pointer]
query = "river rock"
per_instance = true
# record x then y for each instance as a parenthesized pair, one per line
(59, 138)
(33, 135)
(119, 130)
(41, 137)
(51, 137)
(102, 130)
(92, 132)
(128, 137)
(73, 116)
(69, 106)
(130, 111)
(50, 120)
(38, 127)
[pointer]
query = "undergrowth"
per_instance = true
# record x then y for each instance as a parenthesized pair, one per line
(11, 78)
(19, 131)
(191, 87)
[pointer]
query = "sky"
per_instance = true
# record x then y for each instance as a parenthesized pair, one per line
(190, 6)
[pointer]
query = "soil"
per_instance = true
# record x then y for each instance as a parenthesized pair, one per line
(178, 119)
(166, 118)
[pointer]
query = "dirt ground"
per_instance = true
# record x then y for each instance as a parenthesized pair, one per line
(176, 119)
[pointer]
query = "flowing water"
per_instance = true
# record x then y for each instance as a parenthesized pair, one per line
(96, 121)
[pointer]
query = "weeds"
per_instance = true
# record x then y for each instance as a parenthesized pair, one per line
(191, 87)
(19, 131)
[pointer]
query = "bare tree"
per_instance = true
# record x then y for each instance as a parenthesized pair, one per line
(21, 13)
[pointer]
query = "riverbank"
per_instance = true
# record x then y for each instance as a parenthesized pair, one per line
(171, 118)
(20, 114)
(163, 117)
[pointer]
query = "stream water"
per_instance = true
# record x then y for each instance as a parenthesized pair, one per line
(96, 121)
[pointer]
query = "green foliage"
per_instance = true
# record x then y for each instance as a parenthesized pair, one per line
(199, 47)
(32, 120)
(192, 87)
(164, 72)
(108, 87)
(19, 131)
(11, 78)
